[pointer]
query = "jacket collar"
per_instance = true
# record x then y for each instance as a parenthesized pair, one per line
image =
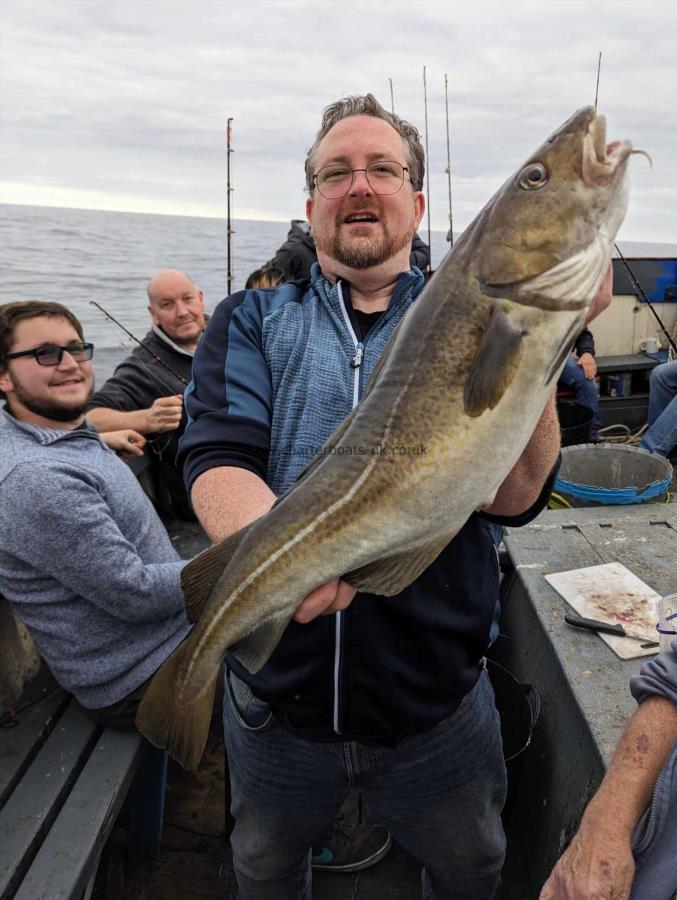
(167, 340)
(46, 436)
(407, 287)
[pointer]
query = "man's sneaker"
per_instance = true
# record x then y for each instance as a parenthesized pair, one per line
(349, 847)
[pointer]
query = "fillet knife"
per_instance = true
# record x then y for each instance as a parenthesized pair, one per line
(605, 628)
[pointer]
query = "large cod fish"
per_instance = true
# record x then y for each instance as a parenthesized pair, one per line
(467, 373)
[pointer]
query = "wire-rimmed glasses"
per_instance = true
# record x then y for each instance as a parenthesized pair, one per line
(384, 177)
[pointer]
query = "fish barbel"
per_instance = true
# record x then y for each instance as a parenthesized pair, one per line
(467, 374)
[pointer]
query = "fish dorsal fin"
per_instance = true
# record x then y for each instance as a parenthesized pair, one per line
(392, 574)
(494, 365)
(199, 576)
(254, 650)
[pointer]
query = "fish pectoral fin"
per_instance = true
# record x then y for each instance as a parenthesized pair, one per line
(200, 575)
(254, 650)
(392, 574)
(494, 365)
(180, 728)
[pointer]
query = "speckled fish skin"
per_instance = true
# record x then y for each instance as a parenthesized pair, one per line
(460, 386)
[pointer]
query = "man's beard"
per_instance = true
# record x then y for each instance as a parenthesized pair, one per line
(368, 252)
(58, 412)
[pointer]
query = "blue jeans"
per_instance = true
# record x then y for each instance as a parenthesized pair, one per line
(662, 434)
(585, 392)
(440, 794)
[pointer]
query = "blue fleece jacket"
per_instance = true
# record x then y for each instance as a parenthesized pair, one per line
(275, 373)
(85, 561)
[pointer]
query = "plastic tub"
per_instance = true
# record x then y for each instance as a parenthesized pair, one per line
(611, 474)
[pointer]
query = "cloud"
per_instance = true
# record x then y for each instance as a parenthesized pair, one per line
(126, 102)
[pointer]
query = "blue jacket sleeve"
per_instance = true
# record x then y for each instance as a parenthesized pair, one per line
(228, 401)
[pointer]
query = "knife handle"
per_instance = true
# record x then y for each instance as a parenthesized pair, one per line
(594, 625)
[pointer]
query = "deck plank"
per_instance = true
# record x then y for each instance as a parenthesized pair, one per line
(38, 797)
(63, 865)
(20, 744)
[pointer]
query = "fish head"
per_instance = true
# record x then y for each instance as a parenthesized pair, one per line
(545, 239)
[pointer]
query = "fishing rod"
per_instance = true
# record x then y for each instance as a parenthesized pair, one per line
(427, 168)
(641, 295)
(229, 189)
(141, 344)
(392, 99)
(599, 66)
(450, 236)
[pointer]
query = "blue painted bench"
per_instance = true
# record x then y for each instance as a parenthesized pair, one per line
(63, 782)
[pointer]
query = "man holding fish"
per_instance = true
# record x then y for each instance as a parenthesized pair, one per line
(397, 498)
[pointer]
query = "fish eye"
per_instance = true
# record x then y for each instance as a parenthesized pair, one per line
(533, 176)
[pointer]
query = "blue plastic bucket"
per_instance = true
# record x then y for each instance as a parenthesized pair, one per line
(611, 475)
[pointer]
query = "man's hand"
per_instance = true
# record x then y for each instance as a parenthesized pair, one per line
(165, 414)
(598, 865)
(587, 362)
(328, 598)
(603, 296)
(126, 443)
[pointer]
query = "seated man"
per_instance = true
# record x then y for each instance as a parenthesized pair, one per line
(599, 862)
(84, 560)
(146, 390)
(579, 374)
(662, 434)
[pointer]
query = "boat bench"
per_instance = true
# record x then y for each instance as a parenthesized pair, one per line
(63, 781)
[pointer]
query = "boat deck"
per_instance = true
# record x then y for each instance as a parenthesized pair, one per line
(586, 704)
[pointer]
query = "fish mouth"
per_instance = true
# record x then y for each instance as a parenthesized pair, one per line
(601, 161)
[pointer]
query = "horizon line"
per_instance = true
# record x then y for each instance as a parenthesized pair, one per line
(136, 212)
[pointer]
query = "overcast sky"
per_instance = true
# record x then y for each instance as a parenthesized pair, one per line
(122, 105)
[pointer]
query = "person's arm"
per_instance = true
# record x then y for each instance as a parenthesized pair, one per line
(598, 864)
(585, 351)
(164, 414)
(524, 484)
(227, 499)
(126, 442)
(63, 528)
(224, 452)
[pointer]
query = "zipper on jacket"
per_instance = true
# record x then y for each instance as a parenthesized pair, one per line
(356, 366)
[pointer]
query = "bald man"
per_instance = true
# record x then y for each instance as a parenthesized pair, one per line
(146, 395)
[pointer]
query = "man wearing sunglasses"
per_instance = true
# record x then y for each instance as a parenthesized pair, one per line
(84, 560)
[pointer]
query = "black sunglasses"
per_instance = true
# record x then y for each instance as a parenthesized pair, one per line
(51, 355)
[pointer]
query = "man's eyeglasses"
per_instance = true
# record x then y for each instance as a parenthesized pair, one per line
(51, 355)
(384, 177)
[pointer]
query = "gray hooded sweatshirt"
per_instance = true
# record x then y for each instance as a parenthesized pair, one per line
(85, 561)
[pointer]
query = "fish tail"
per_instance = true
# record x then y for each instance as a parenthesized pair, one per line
(173, 721)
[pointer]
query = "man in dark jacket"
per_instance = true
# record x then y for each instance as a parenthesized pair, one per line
(146, 390)
(297, 254)
(387, 695)
(579, 374)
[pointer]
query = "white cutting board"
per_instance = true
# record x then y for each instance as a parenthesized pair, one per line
(611, 593)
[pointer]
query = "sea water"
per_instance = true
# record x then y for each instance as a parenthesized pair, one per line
(76, 255)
